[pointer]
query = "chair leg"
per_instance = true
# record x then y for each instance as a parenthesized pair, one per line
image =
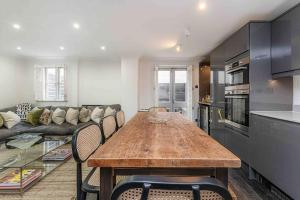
(83, 196)
(98, 196)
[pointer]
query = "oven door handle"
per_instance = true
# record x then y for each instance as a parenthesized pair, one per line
(237, 97)
(235, 69)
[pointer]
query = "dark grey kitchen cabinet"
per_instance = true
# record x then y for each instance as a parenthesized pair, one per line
(286, 43)
(217, 87)
(217, 56)
(238, 43)
(217, 125)
(237, 142)
(274, 152)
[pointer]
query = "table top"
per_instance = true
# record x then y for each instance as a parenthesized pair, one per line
(162, 140)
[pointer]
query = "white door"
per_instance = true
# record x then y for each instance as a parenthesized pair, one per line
(172, 89)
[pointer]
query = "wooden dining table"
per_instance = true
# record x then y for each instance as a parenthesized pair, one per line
(161, 144)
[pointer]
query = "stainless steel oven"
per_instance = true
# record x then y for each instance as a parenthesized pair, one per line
(237, 72)
(237, 106)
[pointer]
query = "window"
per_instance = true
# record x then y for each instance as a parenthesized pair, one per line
(50, 83)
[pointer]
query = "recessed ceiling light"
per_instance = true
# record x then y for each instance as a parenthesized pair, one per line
(16, 26)
(19, 48)
(62, 48)
(202, 5)
(76, 25)
(178, 48)
(103, 48)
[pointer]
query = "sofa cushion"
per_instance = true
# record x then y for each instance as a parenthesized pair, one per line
(23, 109)
(16, 130)
(97, 114)
(53, 129)
(33, 117)
(85, 115)
(1, 121)
(46, 117)
(10, 119)
(109, 111)
(72, 116)
(58, 116)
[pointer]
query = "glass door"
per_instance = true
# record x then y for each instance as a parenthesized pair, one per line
(172, 86)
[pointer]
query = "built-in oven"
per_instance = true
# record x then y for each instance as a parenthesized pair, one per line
(237, 72)
(237, 106)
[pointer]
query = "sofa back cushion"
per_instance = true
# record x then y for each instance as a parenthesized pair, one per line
(109, 111)
(23, 109)
(46, 117)
(1, 121)
(72, 116)
(33, 117)
(85, 115)
(10, 119)
(58, 116)
(97, 114)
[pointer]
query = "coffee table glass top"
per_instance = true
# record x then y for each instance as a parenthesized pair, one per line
(20, 158)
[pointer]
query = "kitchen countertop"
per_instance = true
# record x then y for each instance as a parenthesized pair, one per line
(282, 115)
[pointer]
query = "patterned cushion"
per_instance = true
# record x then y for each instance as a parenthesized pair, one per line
(1, 121)
(23, 109)
(96, 115)
(72, 116)
(58, 116)
(10, 119)
(109, 111)
(33, 117)
(85, 115)
(46, 117)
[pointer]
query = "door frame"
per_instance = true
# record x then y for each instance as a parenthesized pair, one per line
(189, 85)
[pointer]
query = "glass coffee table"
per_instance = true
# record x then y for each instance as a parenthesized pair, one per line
(21, 168)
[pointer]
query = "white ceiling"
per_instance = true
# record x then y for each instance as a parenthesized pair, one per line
(126, 27)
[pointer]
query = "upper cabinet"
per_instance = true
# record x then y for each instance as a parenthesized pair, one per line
(238, 43)
(217, 57)
(286, 43)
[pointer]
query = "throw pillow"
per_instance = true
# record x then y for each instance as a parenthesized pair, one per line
(46, 117)
(96, 115)
(85, 115)
(1, 121)
(23, 109)
(109, 111)
(58, 116)
(10, 119)
(72, 116)
(33, 117)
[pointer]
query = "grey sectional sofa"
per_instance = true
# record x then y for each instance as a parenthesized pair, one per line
(52, 129)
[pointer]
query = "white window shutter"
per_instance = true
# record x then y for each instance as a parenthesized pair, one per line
(39, 83)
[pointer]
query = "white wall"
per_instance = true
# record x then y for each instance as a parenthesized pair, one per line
(129, 85)
(14, 82)
(99, 82)
(146, 80)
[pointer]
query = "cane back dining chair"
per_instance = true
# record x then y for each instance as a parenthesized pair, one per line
(108, 126)
(86, 140)
(170, 188)
(120, 118)
(158, 109)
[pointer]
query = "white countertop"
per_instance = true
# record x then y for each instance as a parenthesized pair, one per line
(282, 115)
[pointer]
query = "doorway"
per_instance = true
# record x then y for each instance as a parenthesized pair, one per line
(172, 89)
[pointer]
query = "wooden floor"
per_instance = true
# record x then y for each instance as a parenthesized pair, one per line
(60, 185)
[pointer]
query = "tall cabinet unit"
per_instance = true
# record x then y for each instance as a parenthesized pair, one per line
(253, 39)
(217, 87)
